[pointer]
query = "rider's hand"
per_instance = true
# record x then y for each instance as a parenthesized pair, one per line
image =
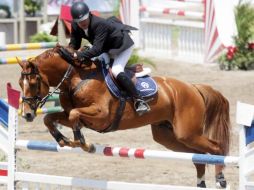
(75, 59)
(79, 59)
(84, 48)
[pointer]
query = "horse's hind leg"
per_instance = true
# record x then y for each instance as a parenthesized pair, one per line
(189, 131)
(164, 135)
(194, 139)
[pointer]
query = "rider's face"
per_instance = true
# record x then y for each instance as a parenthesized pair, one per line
(84, 24)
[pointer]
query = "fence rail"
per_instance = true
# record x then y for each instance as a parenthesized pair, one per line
(27, 46)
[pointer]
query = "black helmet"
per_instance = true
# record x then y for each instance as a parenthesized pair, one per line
(79, 11)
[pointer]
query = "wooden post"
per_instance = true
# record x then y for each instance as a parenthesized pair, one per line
(45, 11)
(22, 22)
(61, 31)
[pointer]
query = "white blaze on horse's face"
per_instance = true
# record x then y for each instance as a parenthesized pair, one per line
(26, 110)
(30, 85)
(25, 87)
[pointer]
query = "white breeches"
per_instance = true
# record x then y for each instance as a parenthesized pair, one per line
(120, 60)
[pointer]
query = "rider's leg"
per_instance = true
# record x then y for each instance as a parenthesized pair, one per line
(119, 64)
(139, 104)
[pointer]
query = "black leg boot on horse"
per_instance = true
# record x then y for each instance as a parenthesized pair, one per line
(139, 103)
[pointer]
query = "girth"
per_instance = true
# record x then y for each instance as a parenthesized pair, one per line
(118, 116)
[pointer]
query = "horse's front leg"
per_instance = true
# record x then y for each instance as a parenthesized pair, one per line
(51, 120)
(74, 117)
(79, 140)
(66, 118)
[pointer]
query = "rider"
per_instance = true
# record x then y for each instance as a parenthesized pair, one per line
(108, 36)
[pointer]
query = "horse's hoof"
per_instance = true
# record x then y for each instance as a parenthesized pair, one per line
(92, 148)
(67, 142)
(61, 143)
(202, 184)
(72, 144)
(221, 184)
(88, 147)
(221, 181)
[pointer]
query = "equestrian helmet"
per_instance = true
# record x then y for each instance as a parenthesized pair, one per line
(79, 11)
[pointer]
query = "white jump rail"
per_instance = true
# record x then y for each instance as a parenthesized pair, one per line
(131, 153)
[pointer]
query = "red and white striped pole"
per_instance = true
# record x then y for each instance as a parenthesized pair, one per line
(220, 27)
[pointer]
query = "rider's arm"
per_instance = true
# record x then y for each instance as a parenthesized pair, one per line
(101, 33)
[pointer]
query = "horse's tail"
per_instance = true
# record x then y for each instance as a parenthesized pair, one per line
(217, 119)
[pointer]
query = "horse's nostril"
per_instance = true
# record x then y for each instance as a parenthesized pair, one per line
(29, 116)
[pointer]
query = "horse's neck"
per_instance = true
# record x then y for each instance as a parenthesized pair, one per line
(53, 67)
(53, 70)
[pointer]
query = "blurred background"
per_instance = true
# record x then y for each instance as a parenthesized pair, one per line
(190, 30)
(20, 19)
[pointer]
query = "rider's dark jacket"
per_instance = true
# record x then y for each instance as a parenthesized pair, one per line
(106, 35)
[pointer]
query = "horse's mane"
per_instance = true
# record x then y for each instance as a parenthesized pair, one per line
(51, 52)
(54, 52)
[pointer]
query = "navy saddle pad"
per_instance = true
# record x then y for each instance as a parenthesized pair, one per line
(145, 85)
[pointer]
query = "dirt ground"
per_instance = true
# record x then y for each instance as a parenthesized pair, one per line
(235, 85)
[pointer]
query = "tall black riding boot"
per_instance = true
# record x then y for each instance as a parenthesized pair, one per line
(140, 105)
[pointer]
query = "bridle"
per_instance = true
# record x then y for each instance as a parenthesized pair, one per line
(37, 101)
(34, 101)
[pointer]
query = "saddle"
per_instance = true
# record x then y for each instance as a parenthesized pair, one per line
(145, 85)
(143, 82)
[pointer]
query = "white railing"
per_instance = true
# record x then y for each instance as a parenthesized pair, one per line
(173, 29)
(175, 39)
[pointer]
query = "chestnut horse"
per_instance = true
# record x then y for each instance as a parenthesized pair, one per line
(184, 117)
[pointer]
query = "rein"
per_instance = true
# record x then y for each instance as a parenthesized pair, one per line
(67, 56)
(66, 76)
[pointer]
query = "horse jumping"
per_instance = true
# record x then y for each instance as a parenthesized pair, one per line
(184, 117)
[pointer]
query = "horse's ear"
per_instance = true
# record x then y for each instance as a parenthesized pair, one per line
(20, 62)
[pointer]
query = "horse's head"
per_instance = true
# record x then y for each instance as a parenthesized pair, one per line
(33, 88)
